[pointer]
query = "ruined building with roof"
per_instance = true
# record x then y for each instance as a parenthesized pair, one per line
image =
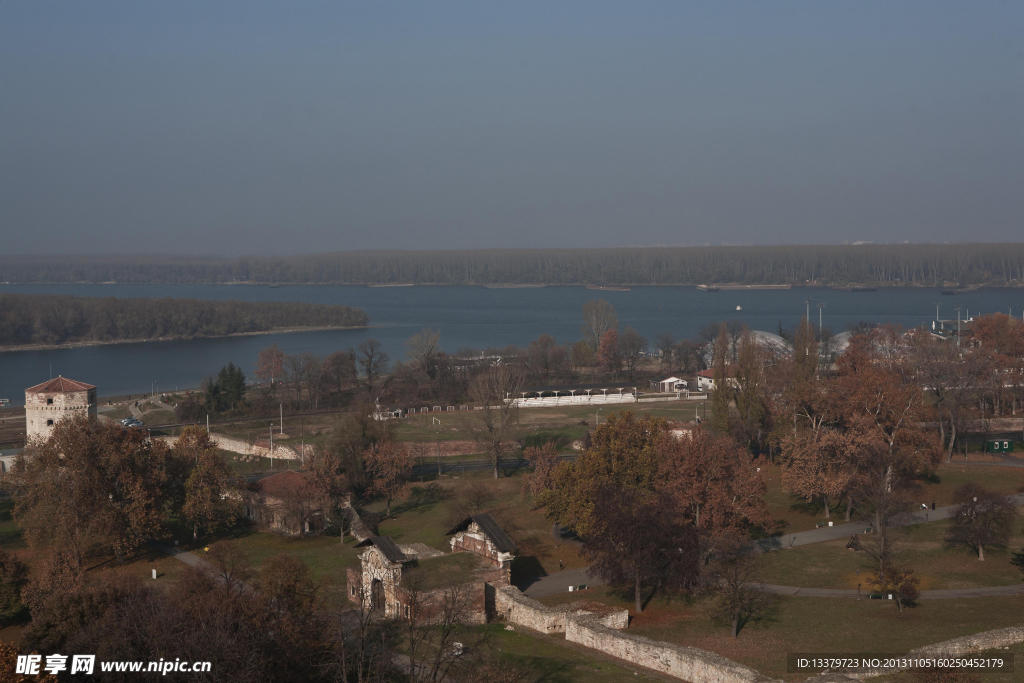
(48, 403)
(411, 581)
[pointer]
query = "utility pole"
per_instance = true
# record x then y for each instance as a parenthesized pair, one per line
(808, 302)
(936, 310)
(281, 406)
(958, 326)
(820, 307)
(271, 445)
(207, 424)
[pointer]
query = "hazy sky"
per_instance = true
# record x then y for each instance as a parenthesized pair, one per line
(241, 127)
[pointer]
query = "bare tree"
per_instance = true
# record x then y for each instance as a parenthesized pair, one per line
(440, 646)
(983, 518)
(664, 343)
(631, 348)
(373, 359)
(598, 317)
(340, 368)
(421, 347)
(494, 426)
(314, 377)
(734, 582)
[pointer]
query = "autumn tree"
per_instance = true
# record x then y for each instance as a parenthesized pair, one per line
(13, 578)
(351, 435)
(91, 483)
(598, 318)
(900, 582)
(389, 469)
(720, 397)
(543, 461)
(495, 425)
(982, 518)
(623, 453)
(206, 506)
(750, 388)
(717, 485)
(608, 352)
(638, 539)
(270, 364)
(326, 486)
(819, 465)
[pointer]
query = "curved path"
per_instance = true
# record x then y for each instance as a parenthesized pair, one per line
(945, 594)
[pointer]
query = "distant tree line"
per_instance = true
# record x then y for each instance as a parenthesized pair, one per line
(883, 264)
(55, 319)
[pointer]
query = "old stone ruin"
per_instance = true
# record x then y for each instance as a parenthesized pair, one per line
(414, 581)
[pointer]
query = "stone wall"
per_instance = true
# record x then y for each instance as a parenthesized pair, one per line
(242, 447)
(514, 607)
(511, 605)
(686, 663)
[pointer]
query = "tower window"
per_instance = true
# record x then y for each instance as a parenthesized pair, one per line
(49, 423)
(49, 401)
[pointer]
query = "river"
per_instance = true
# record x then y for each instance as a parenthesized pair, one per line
(475, 317)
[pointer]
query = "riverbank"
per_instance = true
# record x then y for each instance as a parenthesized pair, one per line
(83, 344)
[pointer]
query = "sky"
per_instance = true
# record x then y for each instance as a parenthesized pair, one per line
(249, 127)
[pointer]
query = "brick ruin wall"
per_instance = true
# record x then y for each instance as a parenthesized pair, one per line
(463, 542)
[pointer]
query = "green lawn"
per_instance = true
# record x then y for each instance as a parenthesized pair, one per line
(439, 572)
(550, 659)
(830, 565)
(432, 509)
(812, 625)
(793, 514)
(326, 556)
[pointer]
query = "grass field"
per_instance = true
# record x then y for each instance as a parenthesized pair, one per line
(793, 514)
(830, 565)
(550, 659)
(812, 625)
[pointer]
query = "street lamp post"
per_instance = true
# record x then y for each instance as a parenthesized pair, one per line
(958, 326)
(808, 302)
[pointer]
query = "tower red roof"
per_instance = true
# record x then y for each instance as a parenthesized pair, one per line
(59, 384)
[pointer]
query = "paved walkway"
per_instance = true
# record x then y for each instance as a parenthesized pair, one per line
(559, 582)
(832, 533)
(946, 594)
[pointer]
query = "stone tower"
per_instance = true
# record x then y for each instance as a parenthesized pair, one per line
(49, 402)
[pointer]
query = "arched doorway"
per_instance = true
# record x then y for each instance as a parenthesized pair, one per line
(376, 595)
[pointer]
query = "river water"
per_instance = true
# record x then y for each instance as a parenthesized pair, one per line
(476, 317)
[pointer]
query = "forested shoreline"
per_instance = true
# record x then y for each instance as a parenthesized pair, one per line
(869, 264)
(27, 319)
